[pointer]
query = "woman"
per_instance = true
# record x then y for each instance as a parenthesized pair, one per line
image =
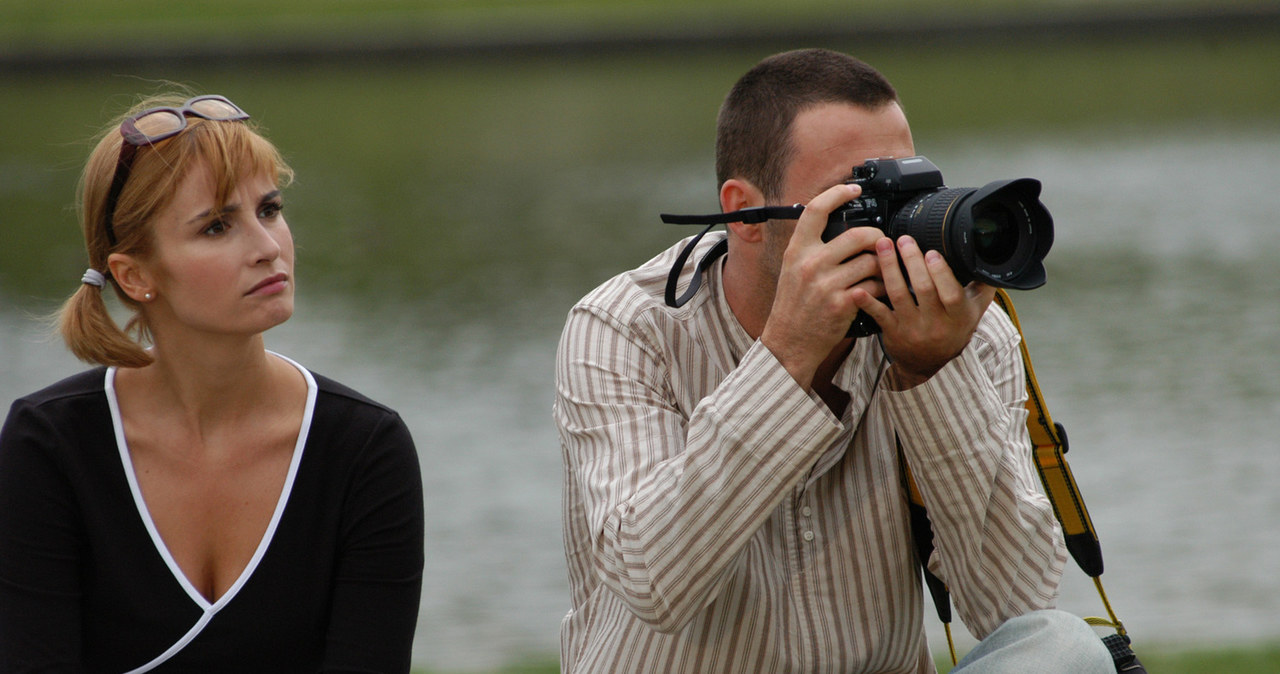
(203, 504)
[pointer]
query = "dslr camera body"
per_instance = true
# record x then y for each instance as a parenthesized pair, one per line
(998, 234)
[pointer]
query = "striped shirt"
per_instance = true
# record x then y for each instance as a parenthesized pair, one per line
(719, 518)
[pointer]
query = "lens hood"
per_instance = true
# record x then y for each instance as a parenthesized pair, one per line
(1000, 234)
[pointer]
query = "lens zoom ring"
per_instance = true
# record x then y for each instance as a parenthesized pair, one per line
(928, 228)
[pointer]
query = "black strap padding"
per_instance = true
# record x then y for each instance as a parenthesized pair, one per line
(1087, 552)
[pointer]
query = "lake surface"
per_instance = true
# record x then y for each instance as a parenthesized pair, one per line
(1155, 342)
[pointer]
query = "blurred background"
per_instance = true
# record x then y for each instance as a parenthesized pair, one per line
(467, 169)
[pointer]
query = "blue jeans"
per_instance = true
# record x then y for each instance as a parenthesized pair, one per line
(1044, 642)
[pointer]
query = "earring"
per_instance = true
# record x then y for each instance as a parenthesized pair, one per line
(147, 297)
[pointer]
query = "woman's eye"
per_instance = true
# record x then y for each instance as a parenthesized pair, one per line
(216, 227)
(270, 210)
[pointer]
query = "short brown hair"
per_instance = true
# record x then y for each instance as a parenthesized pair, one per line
(753, 130)
(232, 151)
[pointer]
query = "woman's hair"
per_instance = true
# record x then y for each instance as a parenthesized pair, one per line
(753, 130)
(231, 151)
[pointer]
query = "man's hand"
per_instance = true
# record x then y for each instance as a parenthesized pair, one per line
(922, 333)
(814, 303)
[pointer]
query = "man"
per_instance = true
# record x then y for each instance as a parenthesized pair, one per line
(734, 492)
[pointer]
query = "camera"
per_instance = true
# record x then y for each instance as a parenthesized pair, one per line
(997, 234)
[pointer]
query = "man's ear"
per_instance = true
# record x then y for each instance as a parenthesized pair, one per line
(131, 276)
(737, 194)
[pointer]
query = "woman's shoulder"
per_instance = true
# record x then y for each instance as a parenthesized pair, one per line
(341, 394)
(330, 392)
(82, 384)
(347, 423)
(339, 414)
(343, 411)
(71, 413)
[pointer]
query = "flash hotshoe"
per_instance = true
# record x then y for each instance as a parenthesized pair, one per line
(997, 234)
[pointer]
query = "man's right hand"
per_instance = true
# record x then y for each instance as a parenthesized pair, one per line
(813, 305)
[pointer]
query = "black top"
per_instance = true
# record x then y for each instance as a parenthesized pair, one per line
(85, 586)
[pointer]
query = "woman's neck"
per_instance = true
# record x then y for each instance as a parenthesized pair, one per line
(213, 384)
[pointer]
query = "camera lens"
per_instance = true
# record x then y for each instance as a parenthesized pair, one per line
(995, 236)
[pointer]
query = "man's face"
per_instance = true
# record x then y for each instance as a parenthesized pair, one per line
(828, 140)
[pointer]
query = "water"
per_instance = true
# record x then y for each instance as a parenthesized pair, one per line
(1154, 342)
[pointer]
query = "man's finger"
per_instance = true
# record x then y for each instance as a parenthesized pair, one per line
(813, 221)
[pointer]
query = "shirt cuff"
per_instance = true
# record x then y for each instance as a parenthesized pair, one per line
(769, 404)
(956, 410)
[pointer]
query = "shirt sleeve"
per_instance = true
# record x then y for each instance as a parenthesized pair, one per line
(39, 550)
(378, 581)
(997, 543)
(670, 496)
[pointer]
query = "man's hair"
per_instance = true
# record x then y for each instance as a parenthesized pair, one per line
(753, 130)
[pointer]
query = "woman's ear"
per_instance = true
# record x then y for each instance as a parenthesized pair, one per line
(735, 195)
(131, 276)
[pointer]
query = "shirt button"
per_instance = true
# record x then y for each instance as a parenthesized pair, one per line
(806, 511)
(807, 536)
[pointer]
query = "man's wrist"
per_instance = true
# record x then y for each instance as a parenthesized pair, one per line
(799, 369)
(901, 379)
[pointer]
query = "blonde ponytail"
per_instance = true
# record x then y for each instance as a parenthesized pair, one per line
(93, 336)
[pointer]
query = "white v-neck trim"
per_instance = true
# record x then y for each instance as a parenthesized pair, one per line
(208, 609)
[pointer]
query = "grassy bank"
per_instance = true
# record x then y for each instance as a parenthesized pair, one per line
(1260, 659)
(1246, 659)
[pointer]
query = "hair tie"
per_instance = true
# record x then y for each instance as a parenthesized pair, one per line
(93, 277)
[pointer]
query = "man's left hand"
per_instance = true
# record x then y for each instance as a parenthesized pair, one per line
(922, 333)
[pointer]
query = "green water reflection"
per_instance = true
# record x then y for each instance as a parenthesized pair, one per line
(479, 180)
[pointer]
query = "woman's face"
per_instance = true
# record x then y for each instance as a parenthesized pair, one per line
(227, 271)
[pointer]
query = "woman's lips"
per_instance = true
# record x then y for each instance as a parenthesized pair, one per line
(270, 285)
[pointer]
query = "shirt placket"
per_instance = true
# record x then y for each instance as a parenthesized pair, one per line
(804, 537)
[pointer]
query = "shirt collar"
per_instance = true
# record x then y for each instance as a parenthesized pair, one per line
(736, 336)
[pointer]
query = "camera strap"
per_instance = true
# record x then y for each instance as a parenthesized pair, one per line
(747, 215)
(1049, 445)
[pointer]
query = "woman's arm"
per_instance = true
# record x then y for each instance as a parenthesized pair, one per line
(378, 580)
(40, 549)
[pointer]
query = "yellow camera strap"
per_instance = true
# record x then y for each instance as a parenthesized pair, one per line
(1049, 446)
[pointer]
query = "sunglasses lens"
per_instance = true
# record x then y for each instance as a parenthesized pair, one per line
(158, 123)
(216, 109)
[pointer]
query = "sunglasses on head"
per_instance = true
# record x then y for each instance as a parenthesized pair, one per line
(154, 125)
